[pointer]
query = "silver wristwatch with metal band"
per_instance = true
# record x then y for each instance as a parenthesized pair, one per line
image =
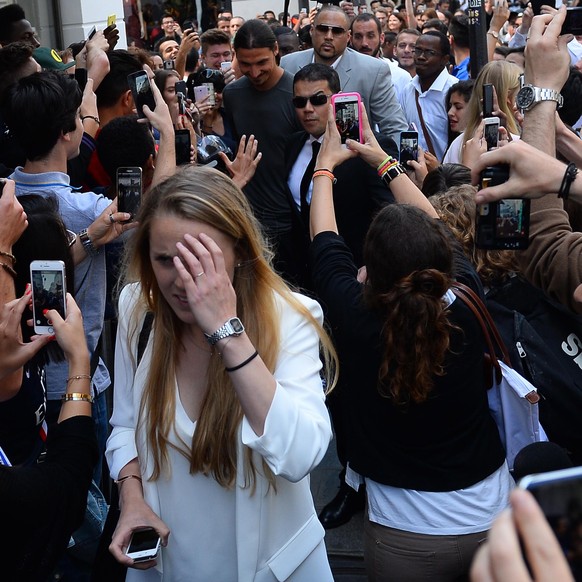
(528, 96)
(233, 326)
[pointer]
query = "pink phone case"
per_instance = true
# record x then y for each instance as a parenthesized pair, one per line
(346, 124)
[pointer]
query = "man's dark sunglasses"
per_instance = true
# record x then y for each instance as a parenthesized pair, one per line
(335, 30)
(315, 100)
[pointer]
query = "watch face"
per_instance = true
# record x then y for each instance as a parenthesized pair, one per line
(237, 326)
(525, 97)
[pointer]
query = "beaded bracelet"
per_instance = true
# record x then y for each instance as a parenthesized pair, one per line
(77, 396)
(243, 364)
(325, 173)
(122, 479)
(93, 117)
(569, 177)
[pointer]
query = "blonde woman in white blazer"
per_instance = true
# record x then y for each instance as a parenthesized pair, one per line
(216, 428)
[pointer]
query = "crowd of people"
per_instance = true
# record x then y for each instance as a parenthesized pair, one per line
(282, 287)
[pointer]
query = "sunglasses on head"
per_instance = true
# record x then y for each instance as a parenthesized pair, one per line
(315, 100)
(335, 30)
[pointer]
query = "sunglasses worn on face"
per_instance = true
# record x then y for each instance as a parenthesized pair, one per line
(315, 100)
(335, 30)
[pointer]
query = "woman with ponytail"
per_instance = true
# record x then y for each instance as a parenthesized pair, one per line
(420, 435)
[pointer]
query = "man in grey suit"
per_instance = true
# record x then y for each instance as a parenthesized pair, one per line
(370, 77)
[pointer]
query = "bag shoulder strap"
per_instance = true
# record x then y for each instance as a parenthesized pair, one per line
(144, 335)
(424, 129)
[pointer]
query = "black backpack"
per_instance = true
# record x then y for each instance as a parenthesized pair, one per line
(544, 340)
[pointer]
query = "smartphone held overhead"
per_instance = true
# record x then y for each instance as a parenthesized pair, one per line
(129, 190)
(408, 149)
(141, 90)
(346, 109)
(504, 224)
(49, 291)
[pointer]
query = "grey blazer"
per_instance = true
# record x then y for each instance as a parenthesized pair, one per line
(368, 76)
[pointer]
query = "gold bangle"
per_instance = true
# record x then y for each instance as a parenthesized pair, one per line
(9, 256)
(79, 377)
(122, 479)
(77, 396)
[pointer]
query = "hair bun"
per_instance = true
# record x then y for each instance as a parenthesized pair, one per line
(429, 282)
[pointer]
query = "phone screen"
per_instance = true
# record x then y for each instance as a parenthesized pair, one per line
(182, 146)
(408, 147)
(143, 540)
(48, 292)
(129, 190)
(559, 494)
(347, 119)
(141, 90)
(491, 133)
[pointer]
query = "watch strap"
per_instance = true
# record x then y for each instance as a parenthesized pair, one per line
(88, 245)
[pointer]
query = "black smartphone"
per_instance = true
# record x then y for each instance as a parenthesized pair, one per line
(504, 224)
(183, 144)
(91, 33)
(408, 147)
(573, 22)
(2, 182)
(81, 77)
(169, 65)
(559, 494)
(536, 5)
(181, 94)
(487, 100)
(141, 90)
(188, 25)
(129, 190)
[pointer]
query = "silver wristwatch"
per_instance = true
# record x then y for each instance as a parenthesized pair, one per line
(528, 96)
(233, 326)
(88, 245)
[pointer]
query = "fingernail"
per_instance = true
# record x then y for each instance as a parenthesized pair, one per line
(44, 311)
(52, 338)
(28, 289)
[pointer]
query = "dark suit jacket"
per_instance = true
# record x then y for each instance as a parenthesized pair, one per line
(358, 194)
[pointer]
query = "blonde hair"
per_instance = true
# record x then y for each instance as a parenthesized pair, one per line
(456, 208)
(504, 77)
(208, 196)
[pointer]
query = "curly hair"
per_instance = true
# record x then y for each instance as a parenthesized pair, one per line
(456, 208)
(406, 289)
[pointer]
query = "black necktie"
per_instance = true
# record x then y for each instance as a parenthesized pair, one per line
(306, 180)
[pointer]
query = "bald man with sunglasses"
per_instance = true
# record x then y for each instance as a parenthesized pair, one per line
(369, 77)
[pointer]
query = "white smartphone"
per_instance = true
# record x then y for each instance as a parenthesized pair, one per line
(225, 66)
(144, 545)
(201, 92)
(49, 291)
(211, 94)
(491, 132)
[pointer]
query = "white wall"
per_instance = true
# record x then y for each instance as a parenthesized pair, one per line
(250, 8)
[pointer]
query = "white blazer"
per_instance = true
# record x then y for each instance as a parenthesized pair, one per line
(278, 535)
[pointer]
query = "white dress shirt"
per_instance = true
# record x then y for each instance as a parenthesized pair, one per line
(434, 110)
(298, 169)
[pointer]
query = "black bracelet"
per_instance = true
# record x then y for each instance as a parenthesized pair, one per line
(249, 359)
(569, 177)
